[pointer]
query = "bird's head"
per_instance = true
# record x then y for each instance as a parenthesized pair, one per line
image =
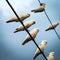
(57, 23)
(33, 21)
(25, 15)
(44, 42)
(51, 53)
(37, 29)
(42, 4)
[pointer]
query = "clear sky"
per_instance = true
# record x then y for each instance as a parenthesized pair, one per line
(11, 44)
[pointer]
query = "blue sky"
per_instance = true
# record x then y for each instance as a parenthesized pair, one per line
(11, 44)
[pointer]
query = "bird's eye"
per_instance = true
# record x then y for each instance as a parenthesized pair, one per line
(41, 4)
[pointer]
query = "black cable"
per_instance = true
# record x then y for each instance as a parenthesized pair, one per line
(57, 34)
(39, 1)
(26, 29)
(50, 21)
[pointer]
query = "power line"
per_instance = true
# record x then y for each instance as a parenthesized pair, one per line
(39, 1)
(52, 25)
(50, 21)
(26, 29)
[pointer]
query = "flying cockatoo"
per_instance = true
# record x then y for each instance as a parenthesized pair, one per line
(51, 56)
(53, 26)
(41, 8)
(42, 47)
(33, 34)
(27, 25)
(22, 17)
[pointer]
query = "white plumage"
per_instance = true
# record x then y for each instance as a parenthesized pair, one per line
(42, 47)
(27, 25)
(51, 56)
(41, 8)
(33, 34)
(22, 17)
(53, 26)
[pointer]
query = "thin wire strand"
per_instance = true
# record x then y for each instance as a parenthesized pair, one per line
(50, 21)
(39, 1)
(52, 25)
(26, 29)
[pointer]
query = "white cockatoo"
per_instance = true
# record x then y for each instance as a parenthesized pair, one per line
(51, 56)
(41, 8)
(53, 26)
(33, 34)
(42, 47)
(27, 25)
(22, 17)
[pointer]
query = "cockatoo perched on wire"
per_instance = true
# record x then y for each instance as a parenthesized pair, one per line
(41, 8)
(42, 47)
(53, 26)
(51, 56)
(27, 25)
(33, 34)
(22, 17)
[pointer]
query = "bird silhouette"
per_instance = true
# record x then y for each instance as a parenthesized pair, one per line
(41, 8)
(22, 17)
(27, 25)
(42, 47)
(51, 56)
(53, 26)
(33, 34)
